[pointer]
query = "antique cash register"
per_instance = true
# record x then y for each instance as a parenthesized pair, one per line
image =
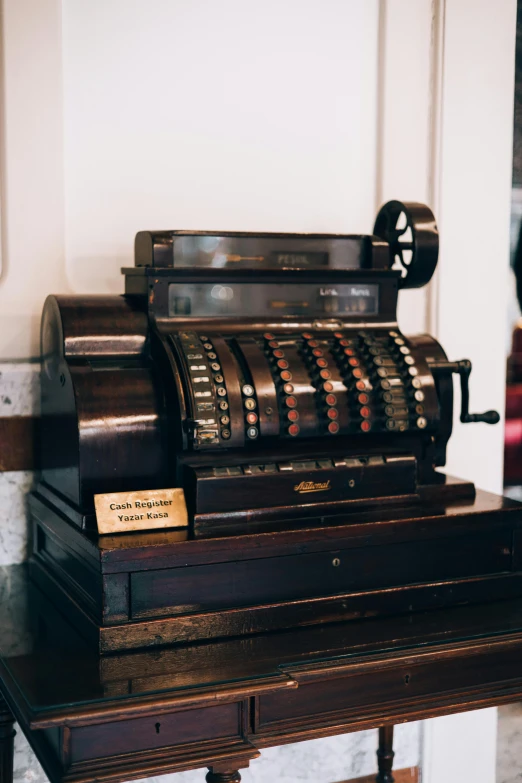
(265, 379)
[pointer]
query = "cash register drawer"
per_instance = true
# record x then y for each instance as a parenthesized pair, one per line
(254, 582)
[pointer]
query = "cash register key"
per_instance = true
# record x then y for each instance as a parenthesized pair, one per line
(328, 386)
(332, 413)
(361, 386)
(279, 354)
(269, 336)
(293, 415)
(416, 383)
(215, 367)
(250, 404)
(252, 432)
(224, 420)
(207, 346)
(345, 342)
(273, 344)
(331, 399)
(419, 396)
(248, 390)
(349, 352)
(413, 370)
(288, 388)
(353, 362)
(363, 399)
(251, 418)
(218, 378)
(357, 372)
(221, 391)
(422, 423)
(291, 402)
(212, 355)
(393, 334)
(203, 338)
(317, 352)
(293, 430)
(339, 335)
(333, 428)
(283, 364)
(366, 425)
(286, 375)
(322, 363)
(313, 343)
(307, 335)
(404, 349)
(325, 375)
(365, 412)
(399, 341)
(225, 434)
(419, 410)
(409, 360)
(223, 405)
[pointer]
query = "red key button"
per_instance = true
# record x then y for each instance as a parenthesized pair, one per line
(344, 342)
(349, 351)
(293, 415)
(288, 388)
(322, 363)
(366, 426)
(328, 387)
(317, 352)
(307, 335)
(293, 430)
(332, 413)
(282, 364)
(286, 375)
(365, 412)
(339, 335)
(353, 361)
(279, 354)
(360, 385)
(291, 402)
(357, 373)
(333, 427)
(363, 399)
(313, 343)
(269, 336)
(325, 374)
(331, 399)
(273, 344)
(251, 418)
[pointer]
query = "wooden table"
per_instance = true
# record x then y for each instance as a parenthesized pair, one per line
(217, 704)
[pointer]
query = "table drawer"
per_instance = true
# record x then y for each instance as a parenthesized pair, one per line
(151, 733)
(327, 699)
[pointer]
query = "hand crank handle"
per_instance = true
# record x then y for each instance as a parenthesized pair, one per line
(463, 368)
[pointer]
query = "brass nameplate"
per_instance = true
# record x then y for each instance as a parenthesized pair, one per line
(312, 486)
(122, 512)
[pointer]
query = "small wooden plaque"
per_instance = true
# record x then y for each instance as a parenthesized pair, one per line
(123, 512)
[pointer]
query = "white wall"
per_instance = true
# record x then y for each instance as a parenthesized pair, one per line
(191, 114)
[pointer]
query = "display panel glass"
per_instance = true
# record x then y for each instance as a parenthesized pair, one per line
(272, 299)
(236, 252)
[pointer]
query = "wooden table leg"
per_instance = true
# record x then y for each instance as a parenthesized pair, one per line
(7, 734)
(223, 777)
(385, 755)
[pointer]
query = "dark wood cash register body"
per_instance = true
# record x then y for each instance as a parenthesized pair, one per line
(268, 377)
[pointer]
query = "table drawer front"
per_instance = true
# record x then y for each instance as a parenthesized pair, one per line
(321, 702)
(151, 733)
(253, 582)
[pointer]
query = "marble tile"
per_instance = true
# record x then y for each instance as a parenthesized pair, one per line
(13, 517)
(19, 388)
(26, 767)
(509, 744)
